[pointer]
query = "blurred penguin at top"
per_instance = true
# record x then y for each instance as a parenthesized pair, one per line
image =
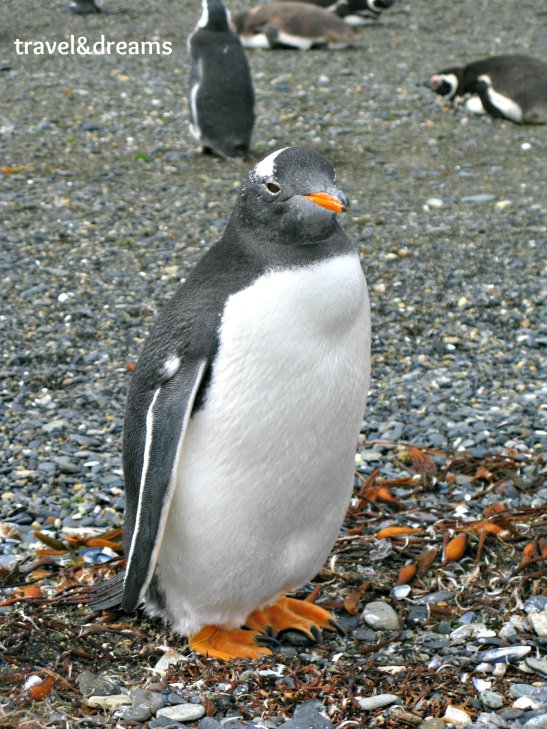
(511, 86)
(221, 89)
(354, 12)
(85, 7)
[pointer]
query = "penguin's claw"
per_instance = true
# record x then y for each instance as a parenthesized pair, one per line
(290, 614)
(216, 642)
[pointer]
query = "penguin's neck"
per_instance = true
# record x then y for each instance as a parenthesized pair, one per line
(273, 251)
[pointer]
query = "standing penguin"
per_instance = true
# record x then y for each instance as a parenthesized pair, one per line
(511, 86)
(221, 88)
(243, 416)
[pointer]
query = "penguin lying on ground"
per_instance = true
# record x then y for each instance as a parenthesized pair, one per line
(292, 25)
(85, 7)
(511, 86)
(353, 12)
(242, 419)
(221, 88)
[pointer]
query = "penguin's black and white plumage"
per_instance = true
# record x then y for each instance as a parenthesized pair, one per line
(354, 12)
(242, 418)
(221, 88)
(295, 25)
(510, 86)
(86, 7)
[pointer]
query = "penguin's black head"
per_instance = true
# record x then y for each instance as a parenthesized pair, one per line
(214, 16)
(446, 83)
(291, 194)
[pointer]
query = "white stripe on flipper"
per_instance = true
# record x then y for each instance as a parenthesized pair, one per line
(509, 108)
(145, 463)
(172, 481)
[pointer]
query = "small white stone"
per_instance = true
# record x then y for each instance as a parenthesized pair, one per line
(109, 703)
(377, 702)
(457, 716)
(434, 202)
(526, 702)
(401, 591)
(500, 670)
(539, 623)
(481, 684)
(381, 616)
(183, 712)
(526, 146)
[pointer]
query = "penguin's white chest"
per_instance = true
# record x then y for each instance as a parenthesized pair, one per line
(266, 469)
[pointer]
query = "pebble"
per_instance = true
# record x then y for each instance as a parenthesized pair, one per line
(537, 664)
(539, 622)
(109, 703)
(506, 655)
(433, 724)
(535, 604)
(378, 701)
(308, 715)
(162, 722)
(144, 705)
(435, 598)
(526, 702)
(209, 723)
(491, 699)
(457, 716)
(380, 616)
(477, 199)
(182, 712)
(521, 689)
(90, 684)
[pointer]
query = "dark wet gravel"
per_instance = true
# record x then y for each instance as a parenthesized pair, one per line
(104, 207)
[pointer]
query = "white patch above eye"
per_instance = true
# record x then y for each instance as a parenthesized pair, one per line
(171, 366)
(266, 166)
(508, 108)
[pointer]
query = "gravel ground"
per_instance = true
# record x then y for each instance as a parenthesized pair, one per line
(105, 206)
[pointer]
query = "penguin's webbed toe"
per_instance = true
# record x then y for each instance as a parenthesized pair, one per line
(288, 614)
(216, 642)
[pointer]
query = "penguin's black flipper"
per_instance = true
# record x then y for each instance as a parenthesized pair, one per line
(160, 430)
(107, 595)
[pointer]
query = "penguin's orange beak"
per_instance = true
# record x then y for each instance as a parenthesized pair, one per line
(326, 200)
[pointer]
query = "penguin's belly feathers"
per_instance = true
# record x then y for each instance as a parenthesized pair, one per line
(266, 470)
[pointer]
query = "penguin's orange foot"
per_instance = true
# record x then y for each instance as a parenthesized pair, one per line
(219, 643)
(290, 614)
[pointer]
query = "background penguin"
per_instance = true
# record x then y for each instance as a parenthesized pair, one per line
(511, 86)
(292, 25)
(85, 7)
(243, 416)
(354, 12)
(221, 88)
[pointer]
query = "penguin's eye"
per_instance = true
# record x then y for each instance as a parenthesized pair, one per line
(273, 188)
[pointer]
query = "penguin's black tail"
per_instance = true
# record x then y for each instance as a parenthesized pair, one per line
(107, 594)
